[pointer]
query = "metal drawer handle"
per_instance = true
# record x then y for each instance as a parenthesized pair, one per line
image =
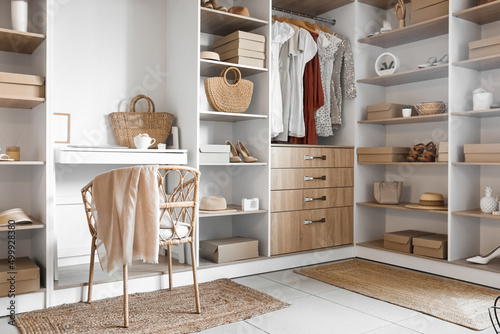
(307, 222)
(308, 157)
(310, 199)
(310, 178)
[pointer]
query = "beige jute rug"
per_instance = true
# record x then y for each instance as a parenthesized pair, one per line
(457, 302)
(222, 301)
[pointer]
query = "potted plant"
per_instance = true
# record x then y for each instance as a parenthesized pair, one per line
(407, 110)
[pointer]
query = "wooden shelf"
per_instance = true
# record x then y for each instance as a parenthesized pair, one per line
(235, 164)
(238, 212)
(220, 23)
(492, 266)
(19, 102)
(305, 7)
(409, 34)
(215, 116)
(430, 73)
(478, 113)
(213, 68)
(475, 213)
(437, 163)
(25, 226)
(379, 244)
(399, 206)
(408, 120)
(22, 163)
(476, 163)
(19, 42)
(480, 64)
(384, 4)
(483, 14)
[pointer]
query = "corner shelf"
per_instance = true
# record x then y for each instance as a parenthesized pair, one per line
(408, 120)
(238, 212)
(480, 64)
(475, 213)
(437, 163)
(22, 163)
(383, 4)
(213, 68)
(478, 113)
(19, 42)
(483, 14)
(20, 102)
(430, 73)
(319, 7)
(217, 116)
(25, 226)
(409, 34)
(399, 206)
(220, 23)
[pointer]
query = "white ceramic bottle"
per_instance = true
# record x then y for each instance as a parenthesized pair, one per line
(19, 15)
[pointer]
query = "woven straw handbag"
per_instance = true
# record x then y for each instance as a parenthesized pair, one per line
(127, 125)
(226, 97)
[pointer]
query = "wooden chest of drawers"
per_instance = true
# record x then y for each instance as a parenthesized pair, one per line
(311, 197)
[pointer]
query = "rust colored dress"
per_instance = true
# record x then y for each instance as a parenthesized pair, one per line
(313, 99)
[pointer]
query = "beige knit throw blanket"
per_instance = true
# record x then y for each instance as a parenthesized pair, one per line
(126, 210)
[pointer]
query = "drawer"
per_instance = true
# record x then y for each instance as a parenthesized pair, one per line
(310, 229)
(307, 157)
(306, 199)
(311, 178)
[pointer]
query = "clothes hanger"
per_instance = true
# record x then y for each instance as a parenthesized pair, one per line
(325, 29)
(275, 18)
(309, 25)
(301, 24)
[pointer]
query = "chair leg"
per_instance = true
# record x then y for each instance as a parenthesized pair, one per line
(169, 250)
(125, 296)
(91, 272)
(195, 279)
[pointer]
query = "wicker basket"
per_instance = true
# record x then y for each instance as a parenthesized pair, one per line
(127, 125)
(431, 108)
(226, 97)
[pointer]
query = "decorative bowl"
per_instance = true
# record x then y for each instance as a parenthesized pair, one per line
(431, 108)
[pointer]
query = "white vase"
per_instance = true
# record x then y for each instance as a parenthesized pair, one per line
(488, 203)
(19, 13)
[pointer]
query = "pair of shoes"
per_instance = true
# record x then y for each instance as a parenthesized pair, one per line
(442, 61)
(433, 61)
(240, 149)
(484, 259)
(422, 153)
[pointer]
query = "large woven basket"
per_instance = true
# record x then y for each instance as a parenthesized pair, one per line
(226, 97)
(127, 125)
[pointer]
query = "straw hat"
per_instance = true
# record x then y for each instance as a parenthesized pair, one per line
(239, 10)
(16, 215)
(213, 203)
(209, 55)
(429, 201)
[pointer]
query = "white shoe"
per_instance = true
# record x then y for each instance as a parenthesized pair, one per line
(486, 258)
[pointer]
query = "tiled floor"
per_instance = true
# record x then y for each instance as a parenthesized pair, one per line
(318, 308)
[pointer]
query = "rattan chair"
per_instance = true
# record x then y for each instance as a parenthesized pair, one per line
(177, 221)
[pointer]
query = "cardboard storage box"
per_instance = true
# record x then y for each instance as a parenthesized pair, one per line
(229, 249)
(402, 241)
(21, 85)
(443, 151)
(247, 61)
(432, 245)
(432, 10)
(241, 44)
(214, 153)
(482, 152)
(239, 35)
(382, 154)
(242, 53)
(484, 47)
(383, 111)
(27, 277)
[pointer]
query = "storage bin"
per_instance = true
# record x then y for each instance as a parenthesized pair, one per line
(423, 10)
(214, 153)
(382, 154)
(384, 111)
(231, 46)
(242, 35)
(443, 151)
(229, 249)
(484, 47)
(27, 277)
(21, 85)
(432, 245)
(482, 152)
(402, 241)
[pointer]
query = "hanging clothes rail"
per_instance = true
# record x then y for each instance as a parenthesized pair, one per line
(316, 18)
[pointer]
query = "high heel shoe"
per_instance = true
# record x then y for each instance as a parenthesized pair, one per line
(233, 155)
(442, 61)
(484, 259)
(430, 62)
(244, 153)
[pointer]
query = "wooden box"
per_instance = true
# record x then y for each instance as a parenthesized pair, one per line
(27, 277)
(402, 241)
(482, 152)
(443, 151)
(229, 249)
(421, 14)
(484, 47)
(382, 154)
(432, 245)
(383, 111)
(21, 85)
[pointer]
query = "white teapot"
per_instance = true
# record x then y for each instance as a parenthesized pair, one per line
(143, 141)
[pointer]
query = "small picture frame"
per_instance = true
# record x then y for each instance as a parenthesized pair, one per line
(62, 128)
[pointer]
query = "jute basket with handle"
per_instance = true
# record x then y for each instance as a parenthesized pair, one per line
(226, 97)
(127, 125)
